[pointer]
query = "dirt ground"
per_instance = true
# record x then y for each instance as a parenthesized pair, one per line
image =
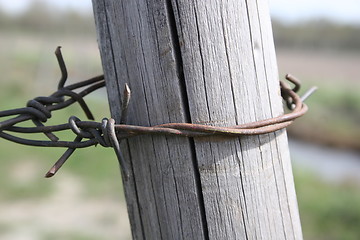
(66, 214)
(326, 67)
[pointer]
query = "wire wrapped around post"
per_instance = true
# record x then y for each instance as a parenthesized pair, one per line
(109, 134)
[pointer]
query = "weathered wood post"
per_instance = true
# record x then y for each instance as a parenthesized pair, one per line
(209, 62)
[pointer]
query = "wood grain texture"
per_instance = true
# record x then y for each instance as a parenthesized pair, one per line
(210, 62)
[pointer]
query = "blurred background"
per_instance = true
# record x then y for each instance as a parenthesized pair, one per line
(317, 41)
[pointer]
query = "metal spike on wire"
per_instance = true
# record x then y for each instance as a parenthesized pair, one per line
(109, 134)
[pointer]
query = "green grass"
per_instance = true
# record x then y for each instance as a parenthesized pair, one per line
(338, 105)
(333, 117)
(4, 228)
(328, 211)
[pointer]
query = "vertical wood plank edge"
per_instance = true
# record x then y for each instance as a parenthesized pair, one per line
(255, 25)
(179, 67)
(105, 46)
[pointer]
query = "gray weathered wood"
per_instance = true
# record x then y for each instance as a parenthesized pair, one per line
(209, 62)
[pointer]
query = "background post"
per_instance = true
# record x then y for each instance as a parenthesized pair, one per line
(210, 62)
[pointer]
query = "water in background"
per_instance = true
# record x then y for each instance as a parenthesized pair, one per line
(331, 164)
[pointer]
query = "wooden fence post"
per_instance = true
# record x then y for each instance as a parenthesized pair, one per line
(209, 62)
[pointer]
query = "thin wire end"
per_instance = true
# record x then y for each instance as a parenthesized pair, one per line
(51, 172)
(62, 66)
(127, 89)
(58, 50)
(308, 93)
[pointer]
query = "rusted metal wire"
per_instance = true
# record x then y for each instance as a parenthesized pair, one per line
(109, 134)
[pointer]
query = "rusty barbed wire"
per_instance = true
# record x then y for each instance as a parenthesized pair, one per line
(109, 134)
